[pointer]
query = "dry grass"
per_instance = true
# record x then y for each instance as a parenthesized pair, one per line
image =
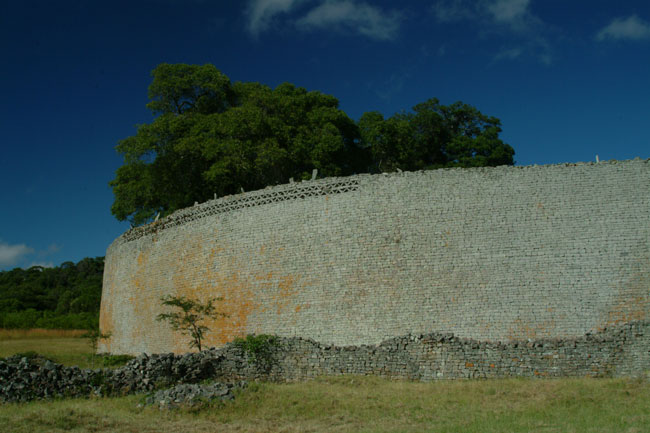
(347, 404)
(21, 334)
(63, 346)
(366, 404)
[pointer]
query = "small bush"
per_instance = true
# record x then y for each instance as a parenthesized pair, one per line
(190, 317)
(30, 354)
(258, 349)
(115, 360)
(33, 357)
(98, 379)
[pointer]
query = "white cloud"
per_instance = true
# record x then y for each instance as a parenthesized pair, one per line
(10, 254)
(631, 27)
(509, 54)
(53, 248)
(546, 58)
(454, 10)
(510, 18)
(512, 13)
(261, 12)
(42, 264)
(359, 17)
(508, 11)
(351, 15)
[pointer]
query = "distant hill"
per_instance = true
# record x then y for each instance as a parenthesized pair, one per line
(62, 297)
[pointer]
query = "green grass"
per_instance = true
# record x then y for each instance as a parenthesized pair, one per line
(67, 350)
(66, 347)
(21, 334)
(350, 404)
(365, 404)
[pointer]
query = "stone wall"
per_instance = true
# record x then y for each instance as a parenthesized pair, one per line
(489, 254)
(621, 350)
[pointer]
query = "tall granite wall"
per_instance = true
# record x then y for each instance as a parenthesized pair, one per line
(489, 254)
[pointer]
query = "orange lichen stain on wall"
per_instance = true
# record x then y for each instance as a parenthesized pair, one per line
(626, 311)
(195, 277)
(138, 287)
(228, 281)
(633, 299)
(106, 319)
(106, 307)
(281, 291)
(521, 329)
(542, 209)
(203, 272)
(236, 303)
(286, 291)
(106, 326)
(106, 322)
(142, 258)
(264, 279)
(145, 304)
(140, 276)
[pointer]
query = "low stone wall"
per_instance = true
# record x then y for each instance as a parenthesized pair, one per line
(622, 350)
(618, 351)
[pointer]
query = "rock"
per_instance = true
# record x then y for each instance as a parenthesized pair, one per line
(193, 395)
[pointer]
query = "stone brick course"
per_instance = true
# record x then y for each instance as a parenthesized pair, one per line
(489, 254)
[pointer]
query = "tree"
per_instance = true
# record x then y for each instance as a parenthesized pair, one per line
(211, 136)
(434, 136)
(67, 296)
(390, 142)
(190, 317)
(183, 88)
(94, 336)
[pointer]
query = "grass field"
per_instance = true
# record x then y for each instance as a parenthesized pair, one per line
(364, 404)
(63, 346)
(26, 334)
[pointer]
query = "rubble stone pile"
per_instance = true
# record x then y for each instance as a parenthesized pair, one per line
(191, 395)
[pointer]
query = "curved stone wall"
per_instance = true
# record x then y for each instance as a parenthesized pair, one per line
(491, 254)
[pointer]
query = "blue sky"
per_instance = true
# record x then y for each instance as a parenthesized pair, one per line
(568, 79)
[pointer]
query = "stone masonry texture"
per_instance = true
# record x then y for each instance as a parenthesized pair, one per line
(613, 352)
(494, 255)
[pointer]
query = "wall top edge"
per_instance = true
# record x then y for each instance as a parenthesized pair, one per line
(600, 334)
(317, 187)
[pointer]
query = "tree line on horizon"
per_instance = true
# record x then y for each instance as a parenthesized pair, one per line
(214, 136)
(62, 297)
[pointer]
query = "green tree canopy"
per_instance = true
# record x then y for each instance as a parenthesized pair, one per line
(434, 136)
(66, 296)
(213, 136)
